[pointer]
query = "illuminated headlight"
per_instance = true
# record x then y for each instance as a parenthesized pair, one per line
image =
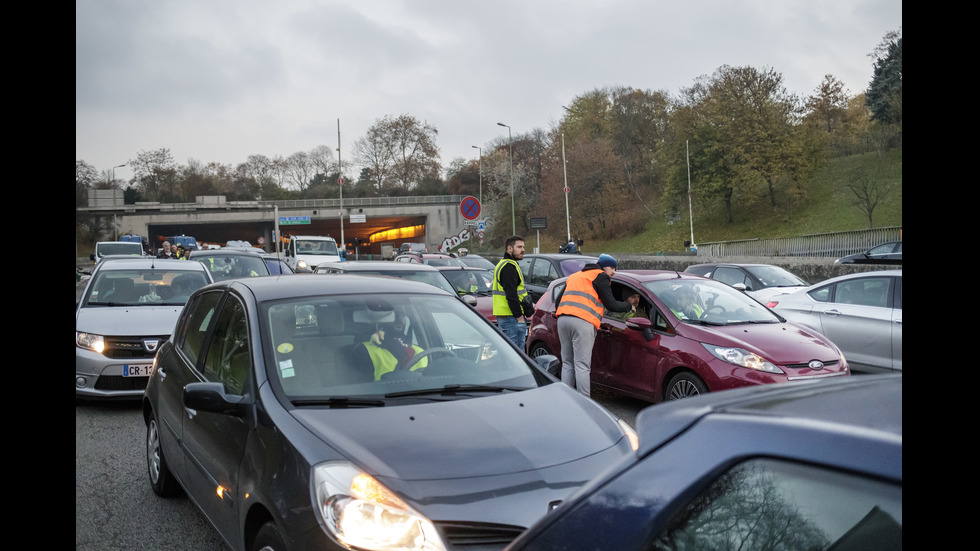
(742, 358)
(301, 264)
(362, 513)
(90, 341)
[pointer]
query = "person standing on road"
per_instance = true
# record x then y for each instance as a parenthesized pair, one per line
(511, 304)
(166, 251)
(579, 315)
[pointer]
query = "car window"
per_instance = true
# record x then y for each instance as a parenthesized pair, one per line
(525, 265)
(864, 291)
(228, 360)
(821, 294)
(731, 276)
(774, 276)
(762, 501)
(709, 302)
(194, 325)
(542, 272)
(224, 267)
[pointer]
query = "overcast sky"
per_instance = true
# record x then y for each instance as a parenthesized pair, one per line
(220, 80)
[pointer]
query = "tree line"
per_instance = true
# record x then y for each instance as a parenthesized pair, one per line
(625, 154)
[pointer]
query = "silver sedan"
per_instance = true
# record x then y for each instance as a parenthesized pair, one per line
(861, 313)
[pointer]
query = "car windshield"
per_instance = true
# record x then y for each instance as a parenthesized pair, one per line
(336, 350)
(441, 262)
(105, 249)
(470, 282)
(709, 302)
(143, 287)
(224, 267)
(774, 276)
(316, 247)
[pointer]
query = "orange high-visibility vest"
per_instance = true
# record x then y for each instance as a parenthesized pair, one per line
(580, 299)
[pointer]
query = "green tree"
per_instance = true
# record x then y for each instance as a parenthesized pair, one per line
(884, 95)
(155, 176)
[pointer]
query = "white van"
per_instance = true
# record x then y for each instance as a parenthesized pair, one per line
(306, 252)
(105, 248)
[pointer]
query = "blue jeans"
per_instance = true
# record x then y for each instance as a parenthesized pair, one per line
(515, 330)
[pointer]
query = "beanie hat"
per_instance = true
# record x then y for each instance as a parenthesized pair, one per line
(606, 261)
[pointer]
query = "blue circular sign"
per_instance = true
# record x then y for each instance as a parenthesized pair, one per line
(469, 207)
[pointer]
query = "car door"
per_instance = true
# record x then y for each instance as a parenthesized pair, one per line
(623, 359)
(859, 320)
(215, 442)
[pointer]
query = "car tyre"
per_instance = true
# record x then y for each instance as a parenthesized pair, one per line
(539, 349)
(268, 538)
(684, 385)
(161, 479)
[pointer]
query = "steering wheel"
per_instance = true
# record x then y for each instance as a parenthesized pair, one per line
(417, 357)
(714, 307)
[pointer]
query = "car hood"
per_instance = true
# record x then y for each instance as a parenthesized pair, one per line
(127, 320)
(468, 437)
(764, 295)
(780, 343)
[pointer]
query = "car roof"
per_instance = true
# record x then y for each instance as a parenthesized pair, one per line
(464, 268)
(739, 264)
(854, 275)
(223, 252)
(277, 287)
(868, 403)
(381, 265)
(641, 276)
(132, 262)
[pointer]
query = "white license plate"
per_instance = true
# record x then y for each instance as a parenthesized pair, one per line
(140, 370)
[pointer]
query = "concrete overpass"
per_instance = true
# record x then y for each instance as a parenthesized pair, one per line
(212, 219)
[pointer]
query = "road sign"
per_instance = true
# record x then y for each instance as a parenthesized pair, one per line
(354, 218)
(566, 189)
(291, 220)
(539, 223)
(261, 240)
(340, 181)
(469, 207)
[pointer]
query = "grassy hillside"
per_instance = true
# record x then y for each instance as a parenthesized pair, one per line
(828, 207)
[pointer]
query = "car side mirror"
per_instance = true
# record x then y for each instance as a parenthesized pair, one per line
(212, 397)
(469, 299)
(549, 363)
(741, 287)
(643, 325)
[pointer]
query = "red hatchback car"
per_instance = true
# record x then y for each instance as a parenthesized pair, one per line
(692, 335)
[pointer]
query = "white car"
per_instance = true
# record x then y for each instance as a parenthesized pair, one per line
(759, 281)
(861, 313)
(128, 309)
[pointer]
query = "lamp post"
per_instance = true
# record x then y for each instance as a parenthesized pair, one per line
(340, 182)
(564, 166)
(481, 173)
(513, 216)
(113, 183)
(114, 173)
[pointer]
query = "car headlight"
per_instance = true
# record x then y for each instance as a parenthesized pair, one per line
(741, 357)
(362, 513)
(90, 341)
(301, 264)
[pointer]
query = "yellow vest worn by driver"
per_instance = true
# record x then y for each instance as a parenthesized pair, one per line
(385, 362)
(580, 299)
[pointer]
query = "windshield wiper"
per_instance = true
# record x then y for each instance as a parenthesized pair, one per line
(338, 402)
(449, 390)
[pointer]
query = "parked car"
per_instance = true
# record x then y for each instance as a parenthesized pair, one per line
(271, 423)
(860, 312)
(432, 259)
(724, 340)
(810, 465)
(230, 263)
(412, 247)
(477, 261)
(473, 282)
(541, 269)
(759, 281)
(276, 265)
(886, 253)
(111, 248)
(414, 272)
(127, 310)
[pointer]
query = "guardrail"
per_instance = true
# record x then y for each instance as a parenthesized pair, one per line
(835, 244)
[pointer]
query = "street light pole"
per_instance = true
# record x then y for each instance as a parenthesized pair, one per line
(481, 174)
(114, 173)
(564, 167)
(340, 182)
(513, 216)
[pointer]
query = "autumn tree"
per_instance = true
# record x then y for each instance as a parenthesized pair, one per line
(400, 152)
(155, 175)
(826, 107)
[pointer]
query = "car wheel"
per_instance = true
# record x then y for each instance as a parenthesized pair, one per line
(539, 349)
(268, 538)
(163, 482)
(684, 385)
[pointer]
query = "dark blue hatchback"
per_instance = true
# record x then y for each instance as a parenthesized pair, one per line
(809, 465)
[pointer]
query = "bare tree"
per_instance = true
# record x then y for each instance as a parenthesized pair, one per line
(869, 189)
(401, 152)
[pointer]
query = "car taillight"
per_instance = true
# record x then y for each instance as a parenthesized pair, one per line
(772, 304)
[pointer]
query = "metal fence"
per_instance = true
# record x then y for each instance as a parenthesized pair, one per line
(834, 244)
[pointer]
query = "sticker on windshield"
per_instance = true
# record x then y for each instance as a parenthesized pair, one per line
(286, 369)
(285, 348)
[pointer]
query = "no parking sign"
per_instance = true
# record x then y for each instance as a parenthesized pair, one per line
(469, 207)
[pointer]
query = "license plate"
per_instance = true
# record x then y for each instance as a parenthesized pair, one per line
(141, 370)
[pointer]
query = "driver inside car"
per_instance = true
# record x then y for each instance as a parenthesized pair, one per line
(389, 348)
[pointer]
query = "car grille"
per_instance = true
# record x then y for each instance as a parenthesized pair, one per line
(466, 534)
(831, 363)
(131, 348)
(118, 382)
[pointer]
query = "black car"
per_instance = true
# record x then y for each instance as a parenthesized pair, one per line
(541, 269)
(886, 253)
(274, 409)
(231, 263)
(804, 465)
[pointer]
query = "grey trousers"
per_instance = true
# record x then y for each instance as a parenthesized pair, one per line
(577, 337)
